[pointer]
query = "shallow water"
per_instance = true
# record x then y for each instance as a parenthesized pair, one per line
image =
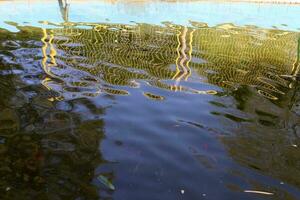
(142, 110)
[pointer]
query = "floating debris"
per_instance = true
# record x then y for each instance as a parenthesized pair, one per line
(106, 182)
(258, 192)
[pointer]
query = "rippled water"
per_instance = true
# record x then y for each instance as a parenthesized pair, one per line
(149, 111)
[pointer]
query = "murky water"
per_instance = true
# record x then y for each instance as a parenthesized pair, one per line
(142, 110)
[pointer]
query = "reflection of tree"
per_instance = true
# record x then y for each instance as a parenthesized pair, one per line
(244, 59)
(121, 54)
(252, 56)
(268, 151)
(268, 139)
(58, 165)
(226, 55)
(88, 58)
(47, 150)
(264, 136)
(270, 142)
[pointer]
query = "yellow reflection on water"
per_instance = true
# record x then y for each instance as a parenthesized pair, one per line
(112, 57)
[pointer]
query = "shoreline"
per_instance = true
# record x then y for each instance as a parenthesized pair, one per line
(295, 2)
(258, 1)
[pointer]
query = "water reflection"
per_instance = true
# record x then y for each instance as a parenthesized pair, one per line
(102, 57)
(266, 139)
(51, 127)
(48, 149)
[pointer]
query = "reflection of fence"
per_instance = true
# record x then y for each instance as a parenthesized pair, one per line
(226, 55)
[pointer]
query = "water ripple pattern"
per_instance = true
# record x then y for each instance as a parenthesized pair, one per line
(89, 59)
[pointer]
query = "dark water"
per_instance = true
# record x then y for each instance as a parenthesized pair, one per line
(141, 111)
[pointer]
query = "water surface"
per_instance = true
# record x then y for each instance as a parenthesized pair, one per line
(114, 109)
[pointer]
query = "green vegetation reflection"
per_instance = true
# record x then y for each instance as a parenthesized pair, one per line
(91, 59)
